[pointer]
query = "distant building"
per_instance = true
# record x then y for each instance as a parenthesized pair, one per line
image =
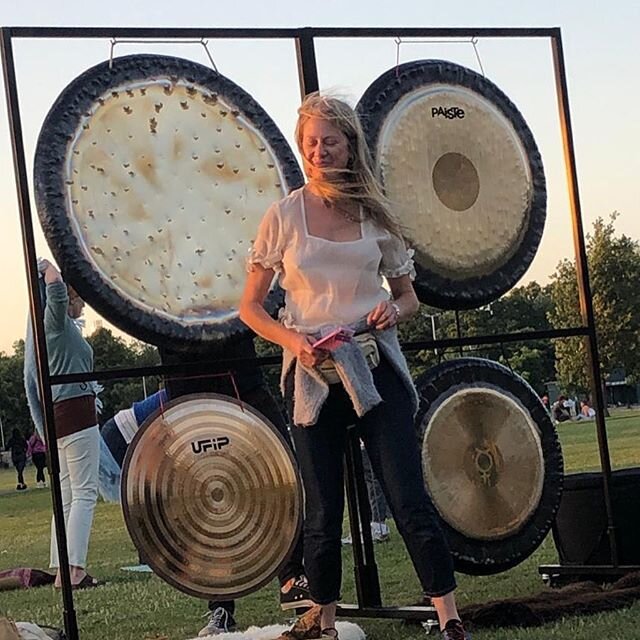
(619, 390)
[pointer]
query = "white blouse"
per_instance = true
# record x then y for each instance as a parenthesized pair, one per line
(327, 283)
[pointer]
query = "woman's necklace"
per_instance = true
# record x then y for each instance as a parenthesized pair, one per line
(347, 215)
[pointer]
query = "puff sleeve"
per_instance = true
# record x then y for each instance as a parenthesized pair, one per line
(397, 259)
(268, 245)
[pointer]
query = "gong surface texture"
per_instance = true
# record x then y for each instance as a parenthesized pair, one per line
(463, 173)
(211, 496)
(491, 460)
(151, 177)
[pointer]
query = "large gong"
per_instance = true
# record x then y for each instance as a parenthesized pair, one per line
(211, 496)
(492, 462)
(463, 173)
(151, 176)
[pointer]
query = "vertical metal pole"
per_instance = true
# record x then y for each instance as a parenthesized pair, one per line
(307, 68)
(28, 245)
(2, 433)
(365, 568)
(459, 331)
(584, 288)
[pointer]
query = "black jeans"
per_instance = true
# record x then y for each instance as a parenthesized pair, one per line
(40, 462)
(20, 464)
(390, 440)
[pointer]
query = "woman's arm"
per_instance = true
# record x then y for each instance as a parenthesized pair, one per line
(254, 315)
(57, 306)
(403, 304)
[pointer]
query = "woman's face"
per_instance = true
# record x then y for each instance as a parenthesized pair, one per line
(76, 304)
(324, 147)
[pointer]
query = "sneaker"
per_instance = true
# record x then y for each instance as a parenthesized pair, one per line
(296, 594)
(21, 487)
(41, 484)
(380, 532)
(454, 630)
(220, 621)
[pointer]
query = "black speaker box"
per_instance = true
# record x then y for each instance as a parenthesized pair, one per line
(580, 530)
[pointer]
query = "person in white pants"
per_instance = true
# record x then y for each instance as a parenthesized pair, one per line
(79, 458)
(74, 409)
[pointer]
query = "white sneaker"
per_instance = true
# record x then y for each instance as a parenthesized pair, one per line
(380, 532)
(220, 621)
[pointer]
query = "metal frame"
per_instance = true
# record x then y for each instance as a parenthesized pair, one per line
(366, 573)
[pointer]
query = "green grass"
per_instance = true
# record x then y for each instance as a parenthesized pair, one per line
(143, 607)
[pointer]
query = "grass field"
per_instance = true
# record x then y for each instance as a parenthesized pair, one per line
(142, 607)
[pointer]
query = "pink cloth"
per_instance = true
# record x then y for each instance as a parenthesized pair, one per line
(27, 577)
(35, 445)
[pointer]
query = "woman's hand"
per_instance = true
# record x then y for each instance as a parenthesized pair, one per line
(302, 346)
(48, 271)
(385, 314)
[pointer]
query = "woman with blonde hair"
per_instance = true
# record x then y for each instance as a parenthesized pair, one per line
(331, 244)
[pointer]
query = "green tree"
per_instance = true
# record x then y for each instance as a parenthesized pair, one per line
(522, 309)
(14, 411)
(614, 269)
(109, 352)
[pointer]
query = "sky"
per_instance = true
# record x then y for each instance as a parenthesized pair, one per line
(600, 45)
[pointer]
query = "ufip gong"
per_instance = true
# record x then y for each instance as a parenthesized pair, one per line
(211, 496)
(491, 461)
(462, 172)
(151, 176)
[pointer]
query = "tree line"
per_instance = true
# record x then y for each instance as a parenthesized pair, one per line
(614, 266)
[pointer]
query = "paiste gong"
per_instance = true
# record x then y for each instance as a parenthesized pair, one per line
(464, 176)
(151, 176)
(211, 496)
(491, 462)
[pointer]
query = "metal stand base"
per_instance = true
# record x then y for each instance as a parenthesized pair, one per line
(556, 575)
(424, 613)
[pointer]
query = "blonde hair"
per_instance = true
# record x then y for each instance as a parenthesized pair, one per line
(357, 184)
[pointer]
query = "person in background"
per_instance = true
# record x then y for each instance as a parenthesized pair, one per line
(251, 387)
(37, 450)
(17, 444)
(75, 419)
(586, 411)
(559, 411)
(377, 502)
(116, 434)
(545, 402)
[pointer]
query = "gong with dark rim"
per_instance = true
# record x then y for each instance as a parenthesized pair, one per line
(151, 176)
(211, 496)
(463, 174)
(492, 462)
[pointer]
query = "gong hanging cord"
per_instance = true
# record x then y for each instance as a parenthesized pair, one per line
(473, 41)
(205, 44)
(202, 376)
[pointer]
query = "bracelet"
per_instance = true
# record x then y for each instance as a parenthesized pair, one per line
(396, 308)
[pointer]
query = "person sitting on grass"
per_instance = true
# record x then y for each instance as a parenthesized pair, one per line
(559, 412)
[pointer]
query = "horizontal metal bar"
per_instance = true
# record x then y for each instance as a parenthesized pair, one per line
(498, 338)
(586, 569)
(185, 369)
(267, 33)
(243, 364)
(423, 613)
